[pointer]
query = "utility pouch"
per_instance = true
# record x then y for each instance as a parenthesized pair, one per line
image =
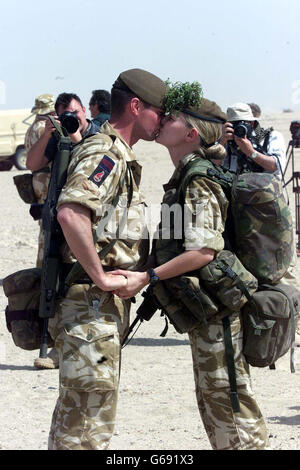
(22, 289)
(184, 302)
(25, 188)
(269, 324)
(227, 280)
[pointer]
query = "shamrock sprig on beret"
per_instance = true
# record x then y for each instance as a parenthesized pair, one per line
(182, 96)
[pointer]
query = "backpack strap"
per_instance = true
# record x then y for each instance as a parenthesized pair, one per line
(229, 353)
(207, 169)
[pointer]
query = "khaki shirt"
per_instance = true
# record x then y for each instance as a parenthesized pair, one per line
(205, 210)
(34, 132)
(96, 175)
(40, 179)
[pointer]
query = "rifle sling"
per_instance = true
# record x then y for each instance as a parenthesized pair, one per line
(229, 353)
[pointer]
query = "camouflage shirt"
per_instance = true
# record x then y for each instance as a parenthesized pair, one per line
(34, 132)
(97, 173)
(205, 210)
(41, 178)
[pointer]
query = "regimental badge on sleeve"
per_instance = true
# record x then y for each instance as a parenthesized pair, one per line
(102, 170)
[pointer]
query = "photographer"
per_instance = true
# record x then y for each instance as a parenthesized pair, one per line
(249, 146)
(44, 150)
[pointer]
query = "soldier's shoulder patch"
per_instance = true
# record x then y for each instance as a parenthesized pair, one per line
(102, 171)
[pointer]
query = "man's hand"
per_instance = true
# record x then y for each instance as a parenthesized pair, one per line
(244, 145)
(76, 137)
(49, 128)
(135, 282)
(227, 134)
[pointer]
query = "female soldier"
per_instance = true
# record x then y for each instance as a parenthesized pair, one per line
(190, 131)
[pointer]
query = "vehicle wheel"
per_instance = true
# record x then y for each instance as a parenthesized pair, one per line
(20, 159)
(5, 165)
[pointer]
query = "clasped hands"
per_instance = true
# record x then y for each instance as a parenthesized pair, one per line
(135, 282)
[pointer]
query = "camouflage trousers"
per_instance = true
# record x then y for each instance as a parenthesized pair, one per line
(87, 330)
(225, 429)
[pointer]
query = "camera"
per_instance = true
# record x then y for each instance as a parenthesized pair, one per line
(69, 121)
(295, 131)
(242, 128)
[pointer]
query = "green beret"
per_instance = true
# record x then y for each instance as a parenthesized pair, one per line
(207, 111)
(143, 84)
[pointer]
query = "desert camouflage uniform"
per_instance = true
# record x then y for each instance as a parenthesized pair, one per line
(225, 429)
(90, 323)
(40, 179)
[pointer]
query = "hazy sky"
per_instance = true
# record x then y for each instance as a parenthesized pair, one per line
(238, 51)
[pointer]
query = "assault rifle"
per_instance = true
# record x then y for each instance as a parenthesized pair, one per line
(145, 311)
(53, 236)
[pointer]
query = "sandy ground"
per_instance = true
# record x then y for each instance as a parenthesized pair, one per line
(157, 407)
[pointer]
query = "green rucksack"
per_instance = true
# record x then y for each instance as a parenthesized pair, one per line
(263, 226)
(262, 237)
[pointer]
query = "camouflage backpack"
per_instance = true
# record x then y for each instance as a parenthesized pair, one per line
(262, 240)
(263, 226)
(259, 227)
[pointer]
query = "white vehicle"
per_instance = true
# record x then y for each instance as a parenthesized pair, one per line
(13, 126)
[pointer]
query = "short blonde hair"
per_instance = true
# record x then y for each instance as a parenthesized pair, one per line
(209, 133)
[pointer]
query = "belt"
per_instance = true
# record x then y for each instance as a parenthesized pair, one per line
(66, 268)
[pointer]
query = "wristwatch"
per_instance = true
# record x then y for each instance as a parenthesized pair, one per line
(153, 277)
(254, 155)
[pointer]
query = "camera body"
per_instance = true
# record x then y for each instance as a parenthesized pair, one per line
(295, 131)
(69, 121)
(242, 128)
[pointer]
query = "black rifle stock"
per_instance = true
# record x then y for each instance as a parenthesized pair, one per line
(53, 235)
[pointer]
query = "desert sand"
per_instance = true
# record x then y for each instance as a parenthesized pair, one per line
(157, 407)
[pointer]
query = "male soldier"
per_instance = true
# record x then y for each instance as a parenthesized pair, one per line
(40, 156)
(90, 321)
(99, 106)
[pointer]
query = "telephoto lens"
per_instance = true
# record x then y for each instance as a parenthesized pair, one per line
(69, 121)
(242, 129)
